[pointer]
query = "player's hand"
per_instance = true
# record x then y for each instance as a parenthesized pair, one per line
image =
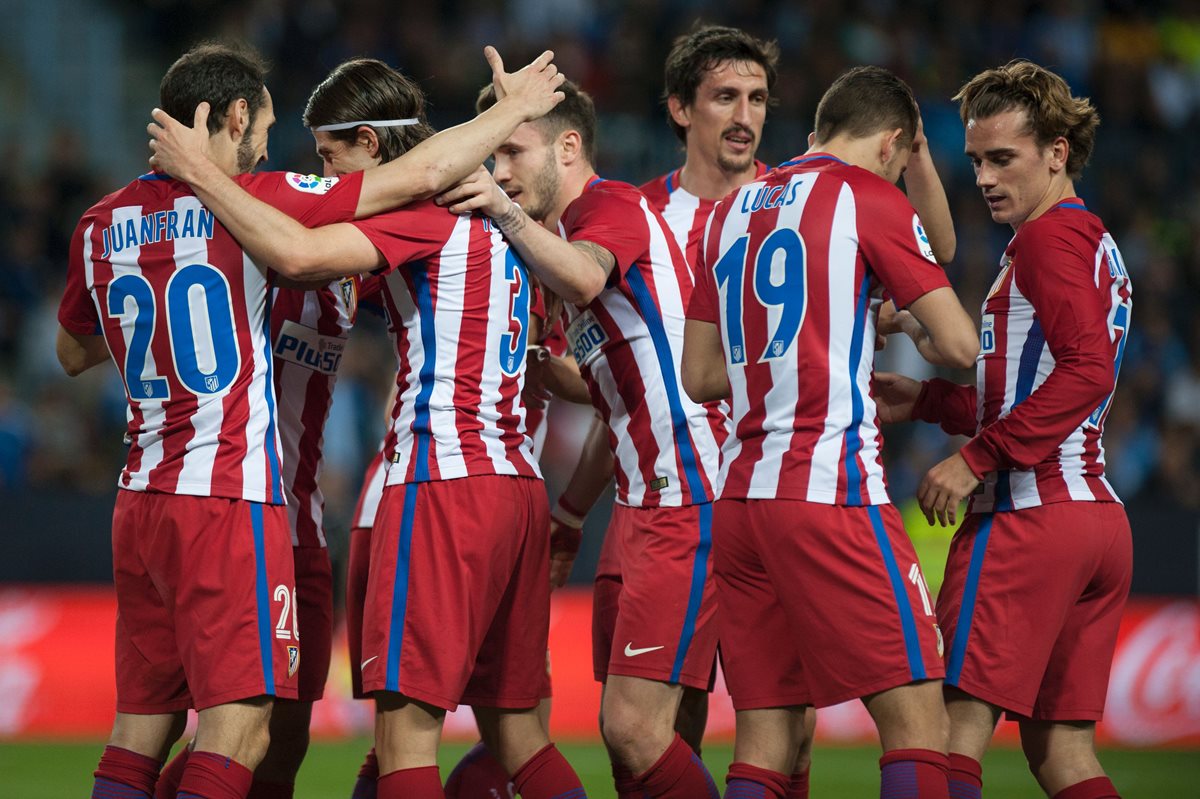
(177, 149)
(533, 89)
(944, 487)
(476, 192)
(565, 539)
(535, 394)
(895, 396)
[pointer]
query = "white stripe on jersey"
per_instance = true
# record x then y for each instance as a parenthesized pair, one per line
(447, 320)
(406, 395)
(780, 397)
(680, 213)
(255, 467)
(734, 228)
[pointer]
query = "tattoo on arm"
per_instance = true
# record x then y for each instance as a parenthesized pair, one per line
(512, 221)
(601, 255)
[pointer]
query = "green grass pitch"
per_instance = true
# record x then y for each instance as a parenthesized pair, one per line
(63, 770)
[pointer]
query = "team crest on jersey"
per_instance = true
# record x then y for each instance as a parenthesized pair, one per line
(293, 660)
(349, 296)
(310, 183)
(1005, 265)
(922, 239)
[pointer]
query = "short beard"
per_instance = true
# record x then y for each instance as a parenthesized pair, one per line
(245, 156)
(731, 166)
(545, 185)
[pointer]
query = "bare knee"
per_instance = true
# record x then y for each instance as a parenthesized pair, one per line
(637, 720)
(149, 735)
(911, 716)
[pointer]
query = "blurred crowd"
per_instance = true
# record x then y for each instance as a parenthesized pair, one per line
(1138, 61)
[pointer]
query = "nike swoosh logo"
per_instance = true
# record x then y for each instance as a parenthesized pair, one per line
(630, 652)
(363, 665)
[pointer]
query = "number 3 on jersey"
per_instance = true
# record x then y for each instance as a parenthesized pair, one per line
(199, 319)
(780, 282)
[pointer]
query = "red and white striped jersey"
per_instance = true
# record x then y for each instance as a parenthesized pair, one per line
(309, 330)
(457, 302)
(184, 311)
(628, 343)
(687, 216)
(792, 272)
(1052, 336)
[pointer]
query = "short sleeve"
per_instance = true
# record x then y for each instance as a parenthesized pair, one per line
(309, 199)
(607, 217)
(409, 233)
(894, 243)
(77, 310)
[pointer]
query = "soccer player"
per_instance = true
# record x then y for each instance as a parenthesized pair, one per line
(1038, 573)
(626, 284)
(820, 589)
(457, 606)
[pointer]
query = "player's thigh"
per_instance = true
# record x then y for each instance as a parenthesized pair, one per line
(314, 614)
(356, 592)
(666, 626)
(850, 583)
(761, 654)
(606, 594)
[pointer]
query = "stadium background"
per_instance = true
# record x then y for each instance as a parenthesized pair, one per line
(77, 80)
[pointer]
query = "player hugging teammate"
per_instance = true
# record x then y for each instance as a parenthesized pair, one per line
(727, 346)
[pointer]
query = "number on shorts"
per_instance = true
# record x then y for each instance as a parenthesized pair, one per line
(285, 629)
(918, 579)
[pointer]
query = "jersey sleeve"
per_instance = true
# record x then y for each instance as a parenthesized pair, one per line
(409, 233)
(77, 310)
(607, 218)
(311, 200)
(702, 307)
(949, 405)
(1057, 278)
(895, 245)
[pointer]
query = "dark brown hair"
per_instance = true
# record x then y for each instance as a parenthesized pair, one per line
(577, 112)
(864, 101)
(703, 50)
(1050, 109)
(217, 74)
(367, 89)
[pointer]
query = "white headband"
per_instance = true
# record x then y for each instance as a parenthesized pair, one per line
(375, 123)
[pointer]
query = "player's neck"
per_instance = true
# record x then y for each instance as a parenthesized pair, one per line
(1059, 189)
(706, 180)
(862, 152)
(574, 182)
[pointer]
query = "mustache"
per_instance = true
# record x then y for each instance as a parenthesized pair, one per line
(745, 131)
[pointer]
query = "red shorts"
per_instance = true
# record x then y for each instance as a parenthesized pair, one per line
(458, 597)
(204, 602)
(356, 593)
(820, 604)
(1031, 605)
(654, 614)
(314, 612)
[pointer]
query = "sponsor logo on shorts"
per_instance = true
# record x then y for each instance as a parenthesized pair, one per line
(363, 665)
(630, 652)
(293, 660)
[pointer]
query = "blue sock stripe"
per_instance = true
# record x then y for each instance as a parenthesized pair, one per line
(964, 790)
(745, 789)
(908, 624)
(574, 793)
(899, 780)
(713, 793)
(105, 788)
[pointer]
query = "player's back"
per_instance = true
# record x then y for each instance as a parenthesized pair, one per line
(794, 267)
(184, 312)
(457, 300)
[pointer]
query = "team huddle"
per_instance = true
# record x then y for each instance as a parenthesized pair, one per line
(722, 321)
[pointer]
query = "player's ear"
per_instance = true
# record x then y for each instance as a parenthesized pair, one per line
(1060, 149)
(889, 144)
(678, 111)
(812, 138)
(570, 146)
(237, 118)
(368, 139)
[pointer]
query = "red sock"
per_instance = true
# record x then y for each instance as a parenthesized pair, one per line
(679, 774)
(745, 781)
(120, 769)
(368, 776)
(477, 774)
(798, 787)
(271, 790)
(1095, 788)
(424, 782)
(965, 777)
(212, 776)
(626, 784)
(548, 775)
(172, 773)
(914, 774)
